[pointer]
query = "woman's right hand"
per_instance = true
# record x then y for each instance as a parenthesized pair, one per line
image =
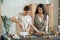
(40, 33)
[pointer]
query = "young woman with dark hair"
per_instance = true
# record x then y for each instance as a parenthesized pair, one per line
(41, 19)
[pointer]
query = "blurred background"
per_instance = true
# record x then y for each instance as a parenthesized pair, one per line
(13, 7)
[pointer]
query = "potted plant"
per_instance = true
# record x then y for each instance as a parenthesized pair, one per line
(7, 23)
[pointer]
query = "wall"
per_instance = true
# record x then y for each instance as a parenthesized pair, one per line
(55, 3)
(12, 7)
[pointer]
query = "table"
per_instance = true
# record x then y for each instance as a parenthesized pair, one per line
(40, 38)
(36, 37)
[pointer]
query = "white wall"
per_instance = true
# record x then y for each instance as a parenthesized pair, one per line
(40, 1)
(12, 7)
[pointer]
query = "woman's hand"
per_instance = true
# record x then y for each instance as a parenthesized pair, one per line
(41, 33)
(13, 19)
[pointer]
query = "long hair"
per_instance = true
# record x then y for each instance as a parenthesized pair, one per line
(43, 8)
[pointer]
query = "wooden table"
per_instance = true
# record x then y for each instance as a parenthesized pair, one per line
(34, 37)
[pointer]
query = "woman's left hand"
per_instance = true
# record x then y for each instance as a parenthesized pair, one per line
(41, 33)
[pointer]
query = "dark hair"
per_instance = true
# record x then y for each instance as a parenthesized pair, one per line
(27, 8)
(43, 8)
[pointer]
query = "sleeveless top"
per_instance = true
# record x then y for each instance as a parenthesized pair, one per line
(41, 26)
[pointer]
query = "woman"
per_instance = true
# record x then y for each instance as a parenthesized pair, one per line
(41, 19)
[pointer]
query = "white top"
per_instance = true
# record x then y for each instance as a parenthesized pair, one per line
(25, 20)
